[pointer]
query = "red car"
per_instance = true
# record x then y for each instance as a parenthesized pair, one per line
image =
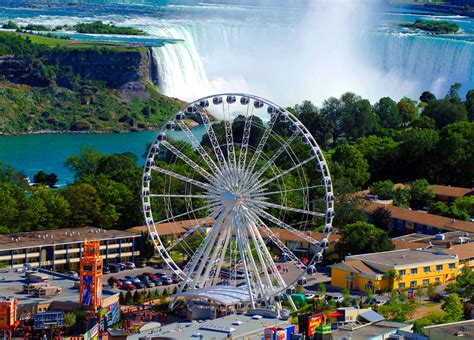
(131, 287)
(112, 280)
(148, 274)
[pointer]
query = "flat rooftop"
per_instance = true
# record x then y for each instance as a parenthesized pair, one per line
(59, 236)
(369, 331)
(11, 286)
(403, 257)
(462, 329)
(190, 329)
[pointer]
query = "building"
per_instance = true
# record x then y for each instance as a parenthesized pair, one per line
(452, 330)
(13, 285)
(61, 249)
(413, 268)
(454, 243)
(298, 245)
(448, 194)
(173, 230)
(408, 221)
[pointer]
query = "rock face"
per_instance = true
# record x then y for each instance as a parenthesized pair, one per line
(128, 70)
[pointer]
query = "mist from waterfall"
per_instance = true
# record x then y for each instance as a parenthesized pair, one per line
(328, 50)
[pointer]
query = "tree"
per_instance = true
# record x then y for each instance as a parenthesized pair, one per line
(445, 112)
(453, 93)
(431, 318)
(407, 109)
(321, 288)
(401, 198)
(465, 204)
(382, 219)
(453, 306)
(349, 163)
(69, 319)
(392, 276)
(400, 312)
(387, 111)
(455, 155)
(128, 298)
(86, 205)
(469, 103)
(333, 110)
(361, 238)
(359, 119)
(10, 25)
(42, 177)
(147, 250)
(431, 291)
(419, 293)
(423, 122)
(320, 126)
(383, 189)
(427, 97)
(421, 194)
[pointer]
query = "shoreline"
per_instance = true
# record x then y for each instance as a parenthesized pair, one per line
(56, 132)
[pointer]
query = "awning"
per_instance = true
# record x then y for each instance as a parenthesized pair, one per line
(225, 295)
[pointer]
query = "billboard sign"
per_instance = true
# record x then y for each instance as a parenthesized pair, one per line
(87, 291)
(313, 322)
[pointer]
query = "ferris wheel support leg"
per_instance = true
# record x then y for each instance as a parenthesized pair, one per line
(292, 303)
(213, 235)
(244, 262)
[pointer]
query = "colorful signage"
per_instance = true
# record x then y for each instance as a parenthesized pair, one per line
(313, 322)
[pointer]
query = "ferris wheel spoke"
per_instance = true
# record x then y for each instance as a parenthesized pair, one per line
(182, 196)
(213, 139)
(222, 256)
(283, 225)
(277, 154)
(245, 138)
(185, 235)
(182, 178)
(262, 143)
(282, 207)
(229, 138)
(188, 213)
(283, 173)
(262, 194)
(186, 159)
(260, 248)
(197, 145)
(274, 238)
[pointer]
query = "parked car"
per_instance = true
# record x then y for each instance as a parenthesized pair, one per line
(242, 284)
(139, 285)
(140, 263)
(149, 284)
(319, 296)
(166, 281)
(338, 298)
(149, 274)
(142, 277)
(131, 287)
(72, 273)
(112, 280)
(126, 282)
(122, 266)
(106, 270)
(136, 280)
(130, 265)
(309, 297)
(223, 283)
(128, 277)
(114, 268)
(157, 282)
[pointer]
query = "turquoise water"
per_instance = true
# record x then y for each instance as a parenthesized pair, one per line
(48, 152)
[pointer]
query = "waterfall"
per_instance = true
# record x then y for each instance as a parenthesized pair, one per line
(180, 70)
(278, 62)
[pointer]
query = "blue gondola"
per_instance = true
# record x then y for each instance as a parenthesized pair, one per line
(217, 100)
(244, 100)
(230, 99)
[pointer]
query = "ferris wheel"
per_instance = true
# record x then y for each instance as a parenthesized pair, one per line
(245, 172)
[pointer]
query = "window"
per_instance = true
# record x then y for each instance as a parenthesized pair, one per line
(452, 266)
(439, 267)
(412, 284)
(401, 285)
(414, 271)
(402, 272)
(426, 269)
(437, 280)
(426, 282)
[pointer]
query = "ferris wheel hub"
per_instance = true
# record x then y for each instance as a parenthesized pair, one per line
(229, 199)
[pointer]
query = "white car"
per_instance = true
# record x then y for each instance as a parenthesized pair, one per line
(309, 296)
(130, 265)
(338, 298)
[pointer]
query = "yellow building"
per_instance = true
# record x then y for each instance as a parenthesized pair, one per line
(397, 269)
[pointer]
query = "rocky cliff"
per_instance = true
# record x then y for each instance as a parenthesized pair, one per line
(126, 69)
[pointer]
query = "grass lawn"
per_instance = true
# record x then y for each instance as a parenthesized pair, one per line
(38, 39)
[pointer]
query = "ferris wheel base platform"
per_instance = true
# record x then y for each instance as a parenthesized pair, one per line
(217, 294)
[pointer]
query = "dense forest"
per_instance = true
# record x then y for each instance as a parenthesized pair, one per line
(398, 141)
